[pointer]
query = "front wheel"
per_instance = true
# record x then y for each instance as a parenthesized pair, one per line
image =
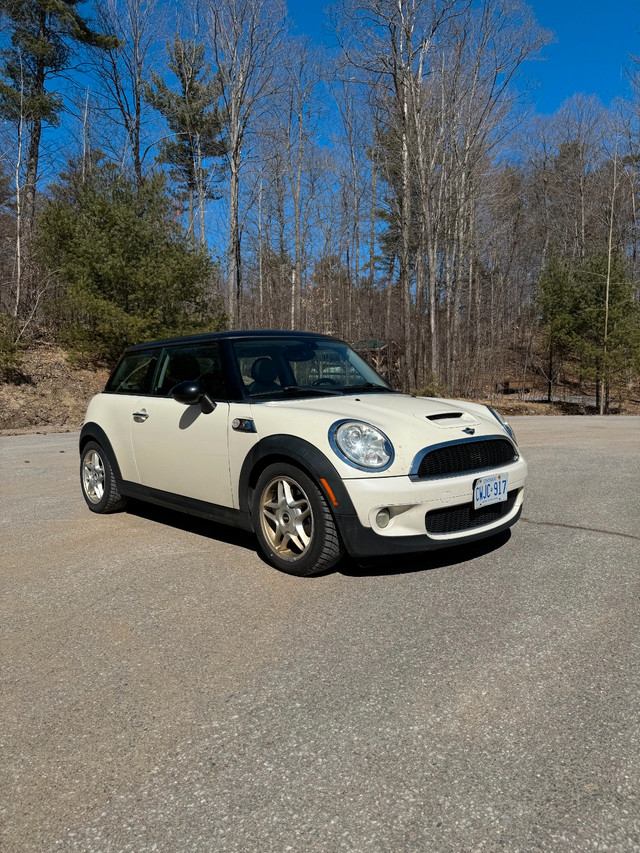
(295, 529)
(99, 487)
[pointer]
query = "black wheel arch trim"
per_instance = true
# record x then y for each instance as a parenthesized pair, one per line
(93, 432)
(295, 451)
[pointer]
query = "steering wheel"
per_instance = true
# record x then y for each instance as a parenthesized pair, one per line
(325, 382)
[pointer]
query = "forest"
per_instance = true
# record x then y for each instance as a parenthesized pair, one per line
(169, 169)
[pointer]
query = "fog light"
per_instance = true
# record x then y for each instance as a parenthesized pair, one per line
(383, 517)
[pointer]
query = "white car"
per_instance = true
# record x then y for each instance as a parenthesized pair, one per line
(293, 436)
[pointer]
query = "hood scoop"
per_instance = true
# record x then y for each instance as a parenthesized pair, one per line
(449, 419)
(441, 416)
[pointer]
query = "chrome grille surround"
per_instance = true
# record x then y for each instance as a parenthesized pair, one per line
(463, 456)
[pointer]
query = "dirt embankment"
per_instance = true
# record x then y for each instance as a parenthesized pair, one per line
(52, 395)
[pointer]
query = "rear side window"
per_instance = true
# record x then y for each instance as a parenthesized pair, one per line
(196, 361)
(134, 374)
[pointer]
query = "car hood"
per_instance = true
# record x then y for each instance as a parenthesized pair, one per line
(410, 423)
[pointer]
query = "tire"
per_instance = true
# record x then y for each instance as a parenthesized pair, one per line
(98, 483)
(292, 520)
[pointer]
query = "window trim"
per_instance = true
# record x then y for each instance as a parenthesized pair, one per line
(192, 347)
(152, 352)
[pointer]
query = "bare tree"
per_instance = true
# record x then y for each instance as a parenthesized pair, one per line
(245, 37)
(19, 206)
(488, 46)
(388, 43)
(298, 110)
(359, 175)
(123, 70)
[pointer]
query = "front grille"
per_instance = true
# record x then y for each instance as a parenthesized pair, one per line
(465, 456)
(454, 519)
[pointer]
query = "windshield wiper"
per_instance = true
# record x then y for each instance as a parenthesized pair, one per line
(306, 390)
(368, 386)
(297, 389)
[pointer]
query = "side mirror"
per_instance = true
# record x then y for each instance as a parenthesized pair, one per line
(191, 392)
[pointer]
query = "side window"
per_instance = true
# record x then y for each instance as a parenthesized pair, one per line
(134, 374)
(196, 361)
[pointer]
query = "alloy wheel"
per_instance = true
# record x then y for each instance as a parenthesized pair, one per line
(286, 518)
(93, 476)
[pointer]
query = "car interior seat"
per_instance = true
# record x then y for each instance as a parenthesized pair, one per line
(264, 373)
(182, 366)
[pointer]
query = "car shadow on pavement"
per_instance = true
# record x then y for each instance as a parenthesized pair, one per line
(426, 561)
(193, 524)
(371, 567)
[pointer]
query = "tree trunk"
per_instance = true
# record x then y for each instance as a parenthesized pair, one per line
(233, 281)
(31, 177)
(405, 253)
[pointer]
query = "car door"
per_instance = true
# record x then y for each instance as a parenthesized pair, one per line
(178, 449)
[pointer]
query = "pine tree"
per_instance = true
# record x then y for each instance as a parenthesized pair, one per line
(129, 272)
(43, 35)
(195, 122)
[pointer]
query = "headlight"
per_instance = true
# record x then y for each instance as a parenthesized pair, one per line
(361, 445)
(507, 427)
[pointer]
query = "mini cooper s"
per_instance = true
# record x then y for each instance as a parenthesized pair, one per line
(295, 437)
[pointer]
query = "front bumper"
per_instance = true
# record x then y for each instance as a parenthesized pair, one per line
(408, 503)
(363, 542)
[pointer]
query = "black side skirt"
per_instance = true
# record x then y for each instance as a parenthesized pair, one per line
(202, 509)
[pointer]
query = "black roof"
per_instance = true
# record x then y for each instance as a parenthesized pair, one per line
(217, 336)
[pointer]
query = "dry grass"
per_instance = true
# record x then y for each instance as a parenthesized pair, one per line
(54, 394)
(53, 397)
(507, 405)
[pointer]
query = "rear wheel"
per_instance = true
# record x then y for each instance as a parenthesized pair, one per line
(99, 487)
(295, 529)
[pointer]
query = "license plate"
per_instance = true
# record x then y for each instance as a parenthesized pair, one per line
(490, 490)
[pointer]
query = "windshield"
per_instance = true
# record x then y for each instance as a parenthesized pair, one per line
(272, 368)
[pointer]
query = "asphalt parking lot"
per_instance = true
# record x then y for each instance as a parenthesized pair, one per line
(163, 689)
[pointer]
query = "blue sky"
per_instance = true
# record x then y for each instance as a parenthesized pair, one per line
(591, 51)
(593, 41)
